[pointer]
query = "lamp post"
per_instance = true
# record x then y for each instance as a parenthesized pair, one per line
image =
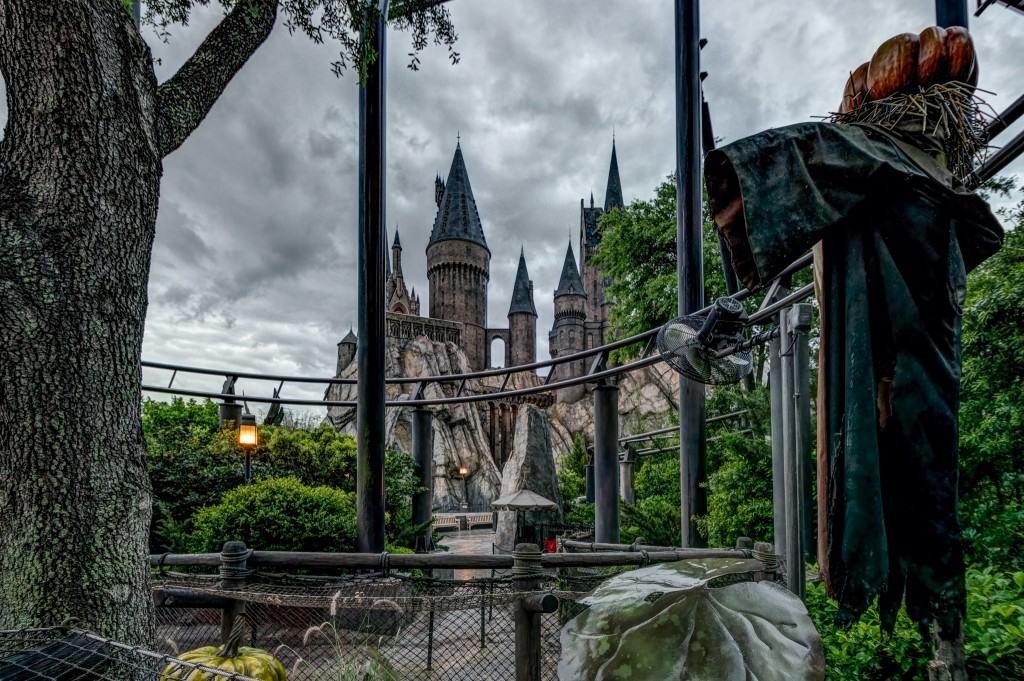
(248, 439)
(463, 472)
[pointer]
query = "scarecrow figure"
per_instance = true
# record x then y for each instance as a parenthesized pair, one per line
(880, 192)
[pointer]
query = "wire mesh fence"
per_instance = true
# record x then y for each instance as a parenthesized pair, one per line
(378, 627)
(70, 654)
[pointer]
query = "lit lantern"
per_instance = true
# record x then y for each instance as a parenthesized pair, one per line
(248, 434)
(463, 471)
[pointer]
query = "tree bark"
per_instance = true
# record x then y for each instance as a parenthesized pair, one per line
(80, 166)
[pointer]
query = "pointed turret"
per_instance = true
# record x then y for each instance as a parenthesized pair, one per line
(570, 283)
(459, 262)
(346, 351)
(613, 192)
(438, 190)
(396, 255)
(522, 291)
(457, 216)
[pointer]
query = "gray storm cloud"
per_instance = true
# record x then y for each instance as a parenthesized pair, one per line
(254, 260)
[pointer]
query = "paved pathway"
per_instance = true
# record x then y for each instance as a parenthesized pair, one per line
(474, 542)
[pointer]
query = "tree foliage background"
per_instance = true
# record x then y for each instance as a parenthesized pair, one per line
(638, 254)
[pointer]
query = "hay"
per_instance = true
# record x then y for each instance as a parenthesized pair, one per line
(950, 112)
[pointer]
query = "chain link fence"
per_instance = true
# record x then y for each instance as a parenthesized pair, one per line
(377, 627)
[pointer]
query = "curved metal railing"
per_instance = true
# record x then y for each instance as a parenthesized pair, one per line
(595, 373)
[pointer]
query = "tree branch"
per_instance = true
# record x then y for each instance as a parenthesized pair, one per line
(188, 96)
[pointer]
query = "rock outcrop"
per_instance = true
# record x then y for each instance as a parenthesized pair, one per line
(648, 399)
(460, 437)
(531, 467)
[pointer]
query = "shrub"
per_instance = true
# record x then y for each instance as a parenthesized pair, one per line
(993, 635)
(278, 514)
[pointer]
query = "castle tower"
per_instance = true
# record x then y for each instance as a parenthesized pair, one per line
(458, 262)
(399, 300)
(567, 333)
(346, 351)
(590, 238)
(522, 318)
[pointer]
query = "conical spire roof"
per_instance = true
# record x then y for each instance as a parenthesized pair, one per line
(398, 242)
(350, 337)
(457, 216)
(570, 283)
(522, 292)
(613, 192)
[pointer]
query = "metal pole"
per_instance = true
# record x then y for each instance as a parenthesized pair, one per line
(423, 459)
(370, 425)
(778, 468)
(606, 463)
(951, 13)
(800, 326)
(793, 555)
(248, 465)
(690, 268)
(589, 481)
(626, 485)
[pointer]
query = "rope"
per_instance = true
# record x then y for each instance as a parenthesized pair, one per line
(385, 563)
(645, 559)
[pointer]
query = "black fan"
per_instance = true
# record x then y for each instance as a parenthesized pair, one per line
(697, 346)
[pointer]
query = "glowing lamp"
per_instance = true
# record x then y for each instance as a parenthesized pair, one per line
(463, 471)
(248, 434)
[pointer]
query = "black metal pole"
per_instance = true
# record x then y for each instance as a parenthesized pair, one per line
(589, 481)
(606, 463)
(248, 466)
(1005, 118)
(951, 13)
(423, 460)
(370, 348)
(689, 221)
(999, 160)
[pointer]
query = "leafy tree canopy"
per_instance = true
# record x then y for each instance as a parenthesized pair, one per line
(340, 21)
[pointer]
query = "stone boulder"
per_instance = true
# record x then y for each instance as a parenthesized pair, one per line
(460, 437)
(530, 467)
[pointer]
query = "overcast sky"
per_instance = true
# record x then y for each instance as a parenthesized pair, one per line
(253, 266)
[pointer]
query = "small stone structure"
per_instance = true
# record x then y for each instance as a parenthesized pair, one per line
(531, 467)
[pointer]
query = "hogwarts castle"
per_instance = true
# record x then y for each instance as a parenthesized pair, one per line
(458, 272)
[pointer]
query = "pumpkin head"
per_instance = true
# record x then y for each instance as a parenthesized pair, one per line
(904, 62)
(229, 658)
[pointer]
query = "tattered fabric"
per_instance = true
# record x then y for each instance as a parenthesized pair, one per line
(898, 237)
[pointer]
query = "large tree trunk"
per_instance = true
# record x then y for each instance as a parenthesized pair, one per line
(79, 181)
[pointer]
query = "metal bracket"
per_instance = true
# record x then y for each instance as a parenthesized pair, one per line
(800, 317)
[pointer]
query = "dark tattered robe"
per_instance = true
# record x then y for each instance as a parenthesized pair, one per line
(898, 236)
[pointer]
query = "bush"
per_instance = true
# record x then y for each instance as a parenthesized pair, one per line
(993, 635)
(739, 492)
(192, 464)
(278, 514)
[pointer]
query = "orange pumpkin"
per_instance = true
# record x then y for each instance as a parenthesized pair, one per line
(907, 60)
(962, 59)
(893, 68)
(856, 92)
(932, 60)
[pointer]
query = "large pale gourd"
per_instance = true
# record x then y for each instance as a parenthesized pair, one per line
(907, 61)
(230, 658)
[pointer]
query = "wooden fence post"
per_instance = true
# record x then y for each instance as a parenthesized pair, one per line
(527, 578)
(233, 573)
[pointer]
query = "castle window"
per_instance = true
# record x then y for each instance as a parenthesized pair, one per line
(497, 352)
